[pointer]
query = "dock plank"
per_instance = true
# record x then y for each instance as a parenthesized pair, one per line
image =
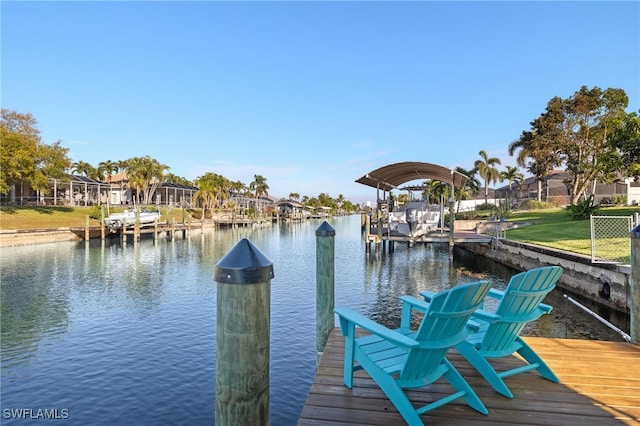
(599, 384)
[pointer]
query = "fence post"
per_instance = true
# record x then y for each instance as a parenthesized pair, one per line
(242, 336)
(634, 285)
(325, 284)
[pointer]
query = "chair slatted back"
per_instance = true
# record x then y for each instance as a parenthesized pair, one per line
(442, 327)
(519, 305)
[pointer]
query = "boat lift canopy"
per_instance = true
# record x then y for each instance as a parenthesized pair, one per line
(391, 176)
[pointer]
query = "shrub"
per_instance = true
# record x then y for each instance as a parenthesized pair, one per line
(485, 206)
(96, 212)
(537, 205)
(502, 210)
(619, 199)
(583, 209)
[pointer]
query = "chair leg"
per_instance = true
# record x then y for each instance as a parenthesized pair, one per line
(484, 368)
(460, 384)
(395, 393)
(349, 345)
(533, 358)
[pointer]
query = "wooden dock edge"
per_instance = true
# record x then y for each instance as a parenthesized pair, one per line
(600, 384)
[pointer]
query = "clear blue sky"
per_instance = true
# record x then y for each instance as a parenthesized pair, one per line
(310, 95)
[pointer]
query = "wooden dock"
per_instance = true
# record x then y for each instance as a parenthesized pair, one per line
(600, 385)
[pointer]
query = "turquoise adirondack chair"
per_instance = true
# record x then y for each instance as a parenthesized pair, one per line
(405, 358)
(497, 334)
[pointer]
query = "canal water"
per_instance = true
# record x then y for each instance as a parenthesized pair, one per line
(104, 333)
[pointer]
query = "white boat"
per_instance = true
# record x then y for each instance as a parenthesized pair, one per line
(116, 221)
(414, 219)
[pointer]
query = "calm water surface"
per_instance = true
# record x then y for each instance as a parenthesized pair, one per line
(107, 333)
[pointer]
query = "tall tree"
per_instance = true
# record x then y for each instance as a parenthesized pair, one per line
(205, 195)
(108, 168)
(577, 132)
(175, 179)
(487, 171)
(23, 156)
(471, 186)
(536, 152)
(626, 139)
(259, 186)
(511, 175)
(145, 174)
(82, 168)
(294, 196)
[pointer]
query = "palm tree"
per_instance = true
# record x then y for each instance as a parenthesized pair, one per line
(294, 196)
(487, 171)
(472, 185)
(136, 176)
(539, 149)
(108, 168)
(145, 174)
(259, 186)
(511, 175)
(205, 193)
(82, 168)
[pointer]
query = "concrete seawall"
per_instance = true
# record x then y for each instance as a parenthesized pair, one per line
(11, 238)
(606, 284)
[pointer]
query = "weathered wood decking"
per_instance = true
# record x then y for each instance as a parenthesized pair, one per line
(600, 385)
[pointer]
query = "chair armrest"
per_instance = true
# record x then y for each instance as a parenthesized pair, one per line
(485, 316)
(495, 293)
(409, 303)
(415, 303)
(428, 295)
(546, 308)
(349, 316)
(474, 326)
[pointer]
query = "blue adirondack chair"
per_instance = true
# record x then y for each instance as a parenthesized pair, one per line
(405, 358)
(497, 334)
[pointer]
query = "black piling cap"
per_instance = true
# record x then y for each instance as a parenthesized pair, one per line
(244, 264)
(325, 230)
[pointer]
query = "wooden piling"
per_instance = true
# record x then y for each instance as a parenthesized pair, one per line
(102, 226)
(325, 285)
(87, 231)
(367, 231)
(243, 317)
(136, 227)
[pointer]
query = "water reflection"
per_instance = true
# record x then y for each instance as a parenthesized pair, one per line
(30, 312)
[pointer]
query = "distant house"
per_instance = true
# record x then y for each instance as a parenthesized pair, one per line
(554, 189)
(292, 210)
(169, 194)
(76, 190)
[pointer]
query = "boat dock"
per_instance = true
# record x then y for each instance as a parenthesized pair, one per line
(599, 384)
(442, 237)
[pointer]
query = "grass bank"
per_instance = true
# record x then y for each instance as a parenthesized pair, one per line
(553, 228)
(33, 217)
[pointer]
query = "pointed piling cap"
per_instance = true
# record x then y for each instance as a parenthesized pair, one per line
(325, 230)
(244, 264)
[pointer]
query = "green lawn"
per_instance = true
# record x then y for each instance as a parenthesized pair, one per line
(554, 228)
(18, 217)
